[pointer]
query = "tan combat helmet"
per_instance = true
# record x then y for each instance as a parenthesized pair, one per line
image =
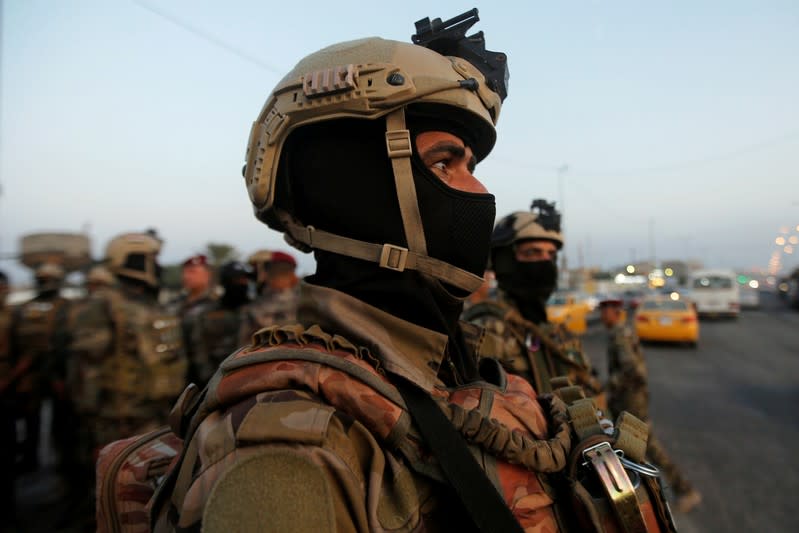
(258, 261)
(541, 223)
(49, 271)
(372, 79)
(99, 275)
(49, 276)
(122, 247)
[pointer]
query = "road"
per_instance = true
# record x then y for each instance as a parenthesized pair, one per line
(727, 413)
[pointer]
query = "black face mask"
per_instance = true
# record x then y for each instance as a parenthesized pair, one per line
(457, 224)
(236, 294)
(530, 285)
(341, 181)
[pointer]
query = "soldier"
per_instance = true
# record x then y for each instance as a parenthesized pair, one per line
(126, 353)
(524, 249)
(97, 279)
(371, 413)
(276, 302)
(8, 425)
(197, 287)
(38, 358)
(628, 391)
(215, 333)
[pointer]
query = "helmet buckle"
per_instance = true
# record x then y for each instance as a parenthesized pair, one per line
(398, 143)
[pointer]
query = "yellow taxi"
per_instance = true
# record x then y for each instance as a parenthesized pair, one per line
(570, 310)
(667, 318)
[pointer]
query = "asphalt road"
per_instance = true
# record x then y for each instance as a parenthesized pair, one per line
(728, 414)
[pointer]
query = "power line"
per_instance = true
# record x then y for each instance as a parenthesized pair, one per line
(666, 167)
(210, 38)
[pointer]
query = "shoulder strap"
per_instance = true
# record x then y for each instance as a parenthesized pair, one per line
(483, 503)
(489, 308)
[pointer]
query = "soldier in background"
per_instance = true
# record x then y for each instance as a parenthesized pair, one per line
(97, 279)
(8, 425)
(126, 353)
(214, 334)
(198, 288)
(524, 250)
(628, 391)
(38, 359)
(276, 302)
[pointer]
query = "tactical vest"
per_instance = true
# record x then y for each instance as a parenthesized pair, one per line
(34, 328)
(347, 376)
(271, 307)
(548, 350)
(147, 368)
(214, 336)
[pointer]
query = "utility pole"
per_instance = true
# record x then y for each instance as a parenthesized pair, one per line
(652, 256)
(564, 265)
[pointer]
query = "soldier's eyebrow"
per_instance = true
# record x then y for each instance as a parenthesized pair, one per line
(451, 149)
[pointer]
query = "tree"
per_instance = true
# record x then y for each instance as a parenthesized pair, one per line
(219, 253)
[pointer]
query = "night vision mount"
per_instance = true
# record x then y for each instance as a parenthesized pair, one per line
(546, 214)
(449, 38)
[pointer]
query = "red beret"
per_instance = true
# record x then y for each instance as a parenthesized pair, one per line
(282, 257)
(196, 260)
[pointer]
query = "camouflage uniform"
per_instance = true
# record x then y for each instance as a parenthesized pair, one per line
(39, 362)
(270, 308)
(8, 426)
(212, 335)
(183, 306)
(128, 365)
(288, 413)
(628, 391)
(536, 352)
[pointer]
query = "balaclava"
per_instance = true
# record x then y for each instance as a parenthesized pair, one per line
(231, 276)
(343, 183)
(528, 284)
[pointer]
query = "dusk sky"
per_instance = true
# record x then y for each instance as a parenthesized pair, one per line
(675, 124)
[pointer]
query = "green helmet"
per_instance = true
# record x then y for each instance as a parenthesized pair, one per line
(370, 79)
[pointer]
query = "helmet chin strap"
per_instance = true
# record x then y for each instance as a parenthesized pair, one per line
(400, 150)
(390, 256)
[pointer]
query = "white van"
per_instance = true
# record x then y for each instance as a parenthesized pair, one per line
(715, 292)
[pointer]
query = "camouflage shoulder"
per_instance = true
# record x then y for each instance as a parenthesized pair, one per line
(274, 447)
(94, 310)
(623, 335)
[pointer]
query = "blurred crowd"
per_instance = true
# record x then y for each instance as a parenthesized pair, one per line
(111, 364)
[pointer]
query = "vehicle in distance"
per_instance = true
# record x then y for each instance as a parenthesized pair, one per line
(570, 310)
(661, 318)
(750, 295)
(632, 298)
(715, 293)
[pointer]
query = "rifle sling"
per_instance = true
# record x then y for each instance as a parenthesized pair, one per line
(484, 504)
